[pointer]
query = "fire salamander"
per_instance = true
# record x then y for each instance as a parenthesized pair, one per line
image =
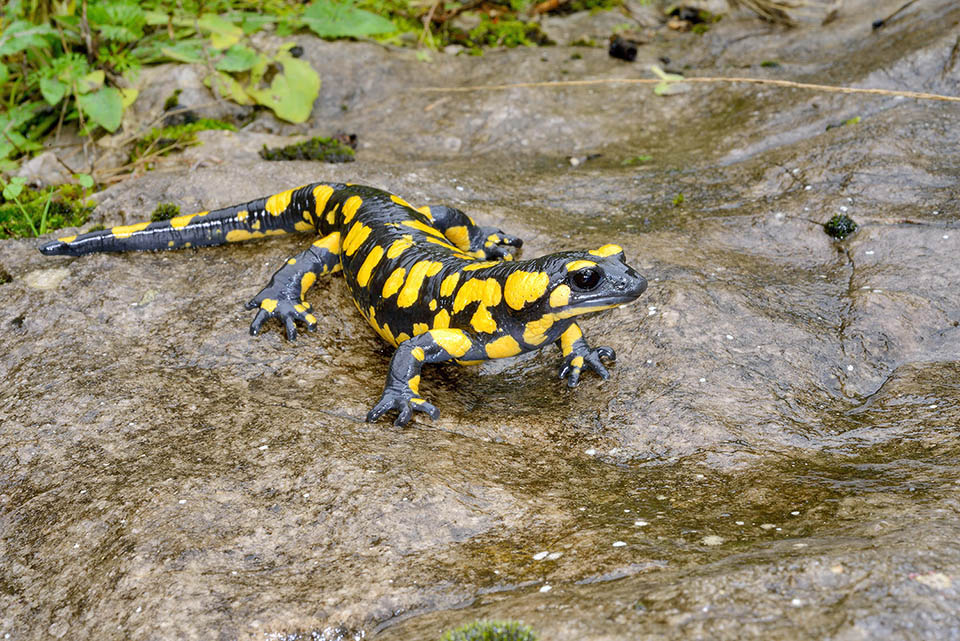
(429, 280)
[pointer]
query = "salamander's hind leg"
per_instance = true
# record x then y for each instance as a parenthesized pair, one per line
(482, 242)
(402, 389)
(283, 298)
(577, 356)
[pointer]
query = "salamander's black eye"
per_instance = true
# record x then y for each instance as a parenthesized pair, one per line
(587, 279)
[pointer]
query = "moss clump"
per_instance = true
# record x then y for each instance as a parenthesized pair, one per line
(333, 150)
(840, 226)
(164, 211)
(163, 139)
(507, 33)
(40, 211)
(491, 631)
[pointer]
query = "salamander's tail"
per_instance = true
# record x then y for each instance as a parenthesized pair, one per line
(289, 211)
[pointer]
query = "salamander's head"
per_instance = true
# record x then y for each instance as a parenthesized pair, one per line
(577, 282)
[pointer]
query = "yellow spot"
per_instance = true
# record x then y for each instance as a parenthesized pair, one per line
(487, 292)
(330, 242)
(449, 284)
(321, 195)
(277, 203)
(481, 265)
(242, 215)
(400, 201)
(366, 269)
(169, 243)
(414, 383)
(332, 214)
(311, 319)
(454, 341)
(306, 283)
(411, 289)
(302, 225)
(441, 320)
(482, 321)
(388, 335)
(425, 210)
(420, 328)
(560, 296)
(580, 264)
(350, 208)
(355, 237)
(69, 239)
(460, 362)
(535, 332)
(433, 305)
(125, 231)
(577, 361)
(179, 222)
(255, 225)
(568, 338)
(186, 244)
(494, 238)
(607, 250)
(402, 336)
(242, 234)
(399, 246)
(503, 347)
(459, 236)
(418, 353)
(392, 285)
(300, 308)
(524, 287)
(427, 229)
(292, 261)
(442, 243)
(269, 304)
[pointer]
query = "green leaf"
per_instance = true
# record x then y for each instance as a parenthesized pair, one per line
(223, 33)
(91, 81)
(104, 107)
(52, 90)
(84, 180)
(292, 91)
(11, 140)
(13, 188)
(4, 73)
(225, 85)
(22, 35)
(330, 19)
(189, 52)
(237, 58)
(128, 96)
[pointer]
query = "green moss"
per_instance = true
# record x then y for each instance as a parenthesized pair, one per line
(491, 631)
(41, 211)
(636, 160)
(164, 211)
(840, 226)
(173, 101)
(162, 139)
(507, 33)
(321, 149)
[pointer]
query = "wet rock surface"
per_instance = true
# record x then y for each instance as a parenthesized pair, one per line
(776, 454)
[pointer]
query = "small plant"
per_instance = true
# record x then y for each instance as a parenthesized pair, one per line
(33, 213)
(491, 631)
(164, 211)
(163, 140)
(636, 160)
(840, 226)
(678, 200)
(322, 149)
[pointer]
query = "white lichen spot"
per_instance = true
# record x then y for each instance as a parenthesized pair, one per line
(591, 452)
(849, 368)
(767, 526)
(546, 588)
(796, 602)
(739, 522)
(553, 556)
(539, 556)
(640, 523)
(935, 580)
(796, 513)
(712, 539)
(619, 544)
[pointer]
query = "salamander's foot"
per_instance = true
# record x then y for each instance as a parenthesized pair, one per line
(403, 399)
(288, 312)
(498, 245)
(576, 362)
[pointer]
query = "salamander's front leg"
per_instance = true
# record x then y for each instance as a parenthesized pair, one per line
(468, 236)
(577, 355)
(283, 298)
(402, 390)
